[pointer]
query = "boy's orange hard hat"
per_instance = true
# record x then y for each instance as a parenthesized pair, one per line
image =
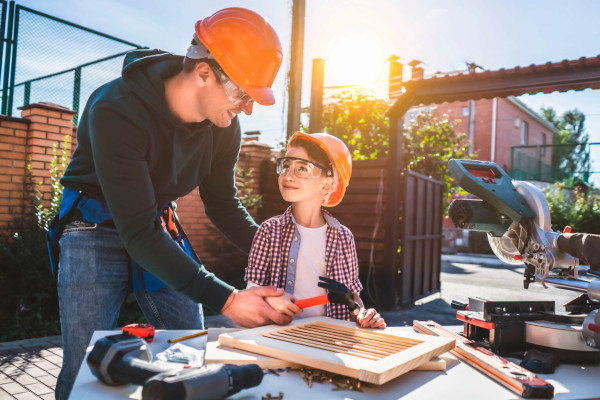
(340, 157)
(247, 48)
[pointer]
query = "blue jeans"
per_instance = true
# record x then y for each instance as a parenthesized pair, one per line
(93, 281)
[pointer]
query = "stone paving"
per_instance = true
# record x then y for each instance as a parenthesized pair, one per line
(28, 368)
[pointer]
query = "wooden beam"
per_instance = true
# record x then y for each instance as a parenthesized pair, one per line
(388, 277)
(316, 96)
(296, 62)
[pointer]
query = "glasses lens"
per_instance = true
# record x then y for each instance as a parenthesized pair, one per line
(302, 168)
(282, 166)
(236, 95)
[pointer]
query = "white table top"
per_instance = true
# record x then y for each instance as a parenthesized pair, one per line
(459, 381)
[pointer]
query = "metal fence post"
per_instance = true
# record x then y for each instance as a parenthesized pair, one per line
(27, 93)
(76, 94)
(512, 162)
(8, 39)
(539, 168)
(3, 37)
(13, 62)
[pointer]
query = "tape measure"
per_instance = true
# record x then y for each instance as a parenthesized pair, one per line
(144, 331)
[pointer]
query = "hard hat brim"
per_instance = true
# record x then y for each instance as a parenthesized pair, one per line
(263, 96)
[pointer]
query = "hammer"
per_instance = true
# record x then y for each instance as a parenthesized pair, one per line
(338, 294)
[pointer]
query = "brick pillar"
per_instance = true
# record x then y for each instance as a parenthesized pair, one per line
(13, 160)
(252, 154)
(49, 124)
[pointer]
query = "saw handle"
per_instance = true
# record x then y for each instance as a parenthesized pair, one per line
(312, 301)
(459, 305)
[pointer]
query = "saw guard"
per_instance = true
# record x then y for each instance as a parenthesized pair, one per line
(534, 199)
(536, 202)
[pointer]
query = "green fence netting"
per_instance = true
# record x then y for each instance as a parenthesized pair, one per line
(47, 59)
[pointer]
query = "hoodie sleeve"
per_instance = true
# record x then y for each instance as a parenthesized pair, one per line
(219, 193)
(119, 150)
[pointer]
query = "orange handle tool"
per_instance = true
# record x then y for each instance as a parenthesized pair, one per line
(312, 301)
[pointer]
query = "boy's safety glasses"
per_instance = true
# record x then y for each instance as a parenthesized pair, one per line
(236, 95)
(302, 168)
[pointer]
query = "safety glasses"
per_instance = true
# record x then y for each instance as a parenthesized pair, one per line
(302, 168)
(236, 95)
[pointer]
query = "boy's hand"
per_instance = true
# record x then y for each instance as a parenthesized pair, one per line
(369, 318)
(249, 309)
(284, 304)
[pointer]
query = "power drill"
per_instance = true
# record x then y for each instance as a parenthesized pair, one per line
(125, 359)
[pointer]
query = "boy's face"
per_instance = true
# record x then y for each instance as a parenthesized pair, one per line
(303, 190)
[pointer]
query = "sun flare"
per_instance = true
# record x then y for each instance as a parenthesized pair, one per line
(356, 60)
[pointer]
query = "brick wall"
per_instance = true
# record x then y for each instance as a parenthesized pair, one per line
(509, 118)
(29, 139)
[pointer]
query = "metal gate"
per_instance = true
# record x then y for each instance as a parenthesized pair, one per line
(420, 238)
(412, 250)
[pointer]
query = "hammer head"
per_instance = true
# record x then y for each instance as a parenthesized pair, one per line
(338, 293)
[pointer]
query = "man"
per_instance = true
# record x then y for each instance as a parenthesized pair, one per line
(166, 126)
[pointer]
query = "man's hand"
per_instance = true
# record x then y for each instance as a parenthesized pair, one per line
(284, 304)
(369, 318)
(249, 309)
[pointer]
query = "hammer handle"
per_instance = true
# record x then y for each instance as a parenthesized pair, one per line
(312, 301)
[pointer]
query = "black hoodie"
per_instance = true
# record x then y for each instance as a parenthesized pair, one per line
(135, 155)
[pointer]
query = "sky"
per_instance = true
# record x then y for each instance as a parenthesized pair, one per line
(355, 37)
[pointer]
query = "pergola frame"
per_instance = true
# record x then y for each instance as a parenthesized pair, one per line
(580, 74)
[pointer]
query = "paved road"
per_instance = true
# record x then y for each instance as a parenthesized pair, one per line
(28, 368)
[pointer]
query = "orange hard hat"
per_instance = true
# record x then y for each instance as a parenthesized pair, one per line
(338, 154)
(247, 48)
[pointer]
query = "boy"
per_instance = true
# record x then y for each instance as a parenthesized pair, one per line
(292, 250)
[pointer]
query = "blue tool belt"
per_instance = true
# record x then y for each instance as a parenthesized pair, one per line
(96, 211)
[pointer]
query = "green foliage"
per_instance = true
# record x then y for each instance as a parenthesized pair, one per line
(358, 118)
(579, 210)
(429, 143)
(243, 182)
(58, 166)
(29, 301)
(570, 157)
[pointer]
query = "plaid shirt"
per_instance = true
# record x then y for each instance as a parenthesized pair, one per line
(270, 257)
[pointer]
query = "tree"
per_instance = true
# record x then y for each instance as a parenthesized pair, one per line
(570, 157)
(581, 211)
(429, 143)
(359, 119)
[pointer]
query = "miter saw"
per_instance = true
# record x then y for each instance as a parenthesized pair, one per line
(516, 218)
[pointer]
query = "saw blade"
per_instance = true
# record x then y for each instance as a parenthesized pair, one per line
(504, 249)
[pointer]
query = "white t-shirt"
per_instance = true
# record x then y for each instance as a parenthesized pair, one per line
(310, 265)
